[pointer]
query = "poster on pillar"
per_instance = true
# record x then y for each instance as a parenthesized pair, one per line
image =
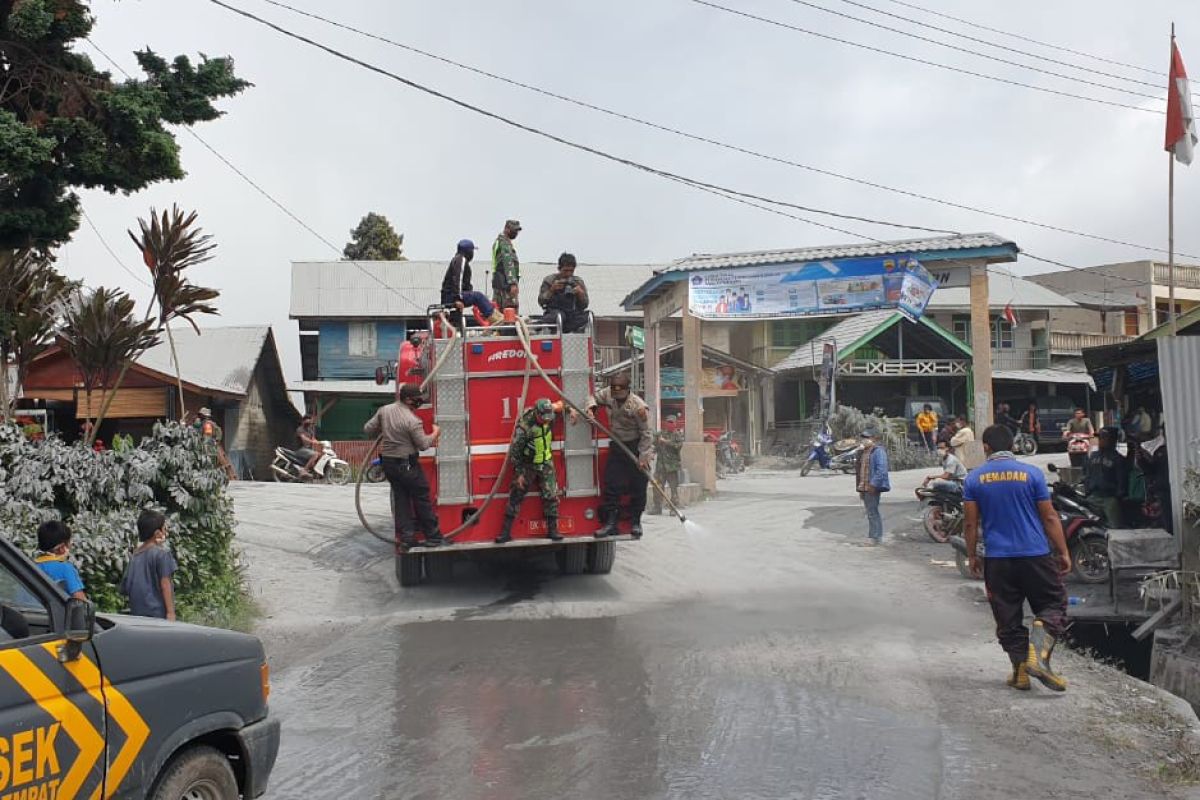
(814, 288)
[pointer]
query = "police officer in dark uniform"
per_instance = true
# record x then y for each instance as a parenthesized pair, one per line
(404, 438)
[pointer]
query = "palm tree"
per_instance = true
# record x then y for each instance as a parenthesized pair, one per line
(169, 246)
(30, 288)
(103, 337)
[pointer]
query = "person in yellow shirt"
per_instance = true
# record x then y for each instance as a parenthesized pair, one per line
(927, 424)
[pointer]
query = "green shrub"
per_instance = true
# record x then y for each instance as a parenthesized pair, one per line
(99, 495)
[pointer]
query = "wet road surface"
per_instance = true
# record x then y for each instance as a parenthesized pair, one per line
(764, 660)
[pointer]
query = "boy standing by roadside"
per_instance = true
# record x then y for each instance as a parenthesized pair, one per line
(54, 541)
(147, 582)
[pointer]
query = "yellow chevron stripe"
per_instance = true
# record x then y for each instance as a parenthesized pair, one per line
(52, 700)
(121, 711)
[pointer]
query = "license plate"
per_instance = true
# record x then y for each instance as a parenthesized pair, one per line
(565, 525)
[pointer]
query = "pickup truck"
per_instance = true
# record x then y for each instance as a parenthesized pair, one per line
(105, 705)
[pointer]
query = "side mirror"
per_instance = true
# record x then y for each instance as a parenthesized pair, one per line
(80, 622)
(1052, 467)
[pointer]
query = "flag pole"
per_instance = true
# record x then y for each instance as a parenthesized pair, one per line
(1171, 218)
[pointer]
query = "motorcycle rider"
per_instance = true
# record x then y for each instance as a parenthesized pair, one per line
(532, 458)
(310, 446)
(1029, 422)
(667, 447)
(565, 293)
(1078, 425)
(1106, 477)
(1026, 557)
(404, 438)
(628, 417)
(953, 472)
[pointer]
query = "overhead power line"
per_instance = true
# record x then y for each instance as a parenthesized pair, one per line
(112, 252)
(925, 61)
(969, 51)
(1024, 38)
(988, 43)
(710, 141)
(559, 139)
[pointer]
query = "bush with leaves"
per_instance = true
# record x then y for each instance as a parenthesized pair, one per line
(99, 495)
(849, 422)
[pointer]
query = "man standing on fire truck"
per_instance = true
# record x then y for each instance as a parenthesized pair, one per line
(532, 459)
(404, 438)
(506, 267)
(629, 419)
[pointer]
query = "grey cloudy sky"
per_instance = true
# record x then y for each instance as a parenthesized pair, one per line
(332, 141)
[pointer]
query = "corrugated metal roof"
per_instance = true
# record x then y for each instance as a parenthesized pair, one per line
(1105, 299)
(846, 332)
(971, 241)
(347, 387)
(1003, 288)
(1045, 376)
(330, 289)
(222, 359)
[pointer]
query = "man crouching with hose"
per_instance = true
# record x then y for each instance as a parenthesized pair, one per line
(532, 457)
(404, 438)
(629, 419)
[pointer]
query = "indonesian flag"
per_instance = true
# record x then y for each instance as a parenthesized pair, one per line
(1181, 124)
(1010, 315)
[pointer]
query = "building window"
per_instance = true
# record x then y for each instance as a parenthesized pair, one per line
(1002, 332)
(1131, 323)
(962, 329)
(363, 343)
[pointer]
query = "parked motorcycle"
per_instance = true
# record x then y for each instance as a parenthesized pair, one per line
(287, 466)
(818, 452)
(729, 454)
(943, 516)
(375, 471)
(848, 451)
(1085, 529)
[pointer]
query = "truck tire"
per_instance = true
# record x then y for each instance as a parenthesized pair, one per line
(198, 773)
(408, 569)
(600, 557)
(439, 567)
(572, 558)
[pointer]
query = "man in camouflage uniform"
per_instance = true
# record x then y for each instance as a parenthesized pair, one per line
(667, 447)
(506, 267)
(533, 460)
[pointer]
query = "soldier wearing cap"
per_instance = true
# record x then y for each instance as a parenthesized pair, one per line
(564, 293)
(532, 458)
(506, 268)
(668, 446)
(457, 291)
(628, 417)
(404, 438)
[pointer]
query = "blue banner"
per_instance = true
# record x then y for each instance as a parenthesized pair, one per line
(815, 288)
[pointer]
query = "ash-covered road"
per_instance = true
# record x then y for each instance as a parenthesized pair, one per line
(764, 657)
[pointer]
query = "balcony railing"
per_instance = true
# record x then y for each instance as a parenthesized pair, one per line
(1072, 343)
(1185, 277)
(1020, 358)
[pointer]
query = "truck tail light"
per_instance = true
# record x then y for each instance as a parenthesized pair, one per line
(264, 673)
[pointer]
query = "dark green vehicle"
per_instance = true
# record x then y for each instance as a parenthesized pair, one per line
(94, 706)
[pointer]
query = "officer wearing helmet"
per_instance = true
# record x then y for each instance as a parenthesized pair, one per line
(532, 459)
(404, 438)
(457, 291)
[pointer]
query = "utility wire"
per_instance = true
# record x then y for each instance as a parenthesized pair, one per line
(710, 141)
(969, 51)
(1024, 38)
(559, 139)
(112, 252)
(927, 62)
(977, 40)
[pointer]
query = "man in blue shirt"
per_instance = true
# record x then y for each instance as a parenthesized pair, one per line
(1026, 557)
(872, 483)
(54, 540)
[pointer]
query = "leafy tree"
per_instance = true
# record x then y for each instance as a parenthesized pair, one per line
(66, 124)
(30, 288)
(169, 246)
(374, 240)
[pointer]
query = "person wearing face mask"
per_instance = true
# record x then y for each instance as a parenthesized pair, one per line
(148, 578)
(404, 438)
(628, 417)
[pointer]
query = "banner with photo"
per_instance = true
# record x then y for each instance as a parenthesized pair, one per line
(814, 288)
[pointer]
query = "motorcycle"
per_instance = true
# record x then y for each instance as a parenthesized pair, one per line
(1078, 446)
(959, 543)
(818, 453)
(846, 460)
(287, 466)
(375, 471)
(1084, 527)
(1025, 444)
(729, 454)
(943, 515)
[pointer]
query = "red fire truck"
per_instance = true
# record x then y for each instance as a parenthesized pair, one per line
(475, 394)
